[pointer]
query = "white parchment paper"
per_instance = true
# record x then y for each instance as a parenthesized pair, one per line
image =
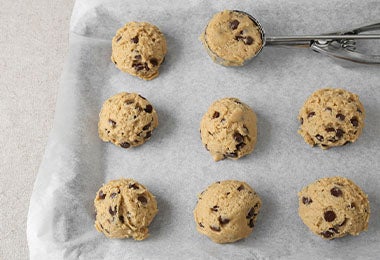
(173, 164)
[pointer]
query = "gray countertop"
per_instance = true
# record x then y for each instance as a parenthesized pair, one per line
(33, 44)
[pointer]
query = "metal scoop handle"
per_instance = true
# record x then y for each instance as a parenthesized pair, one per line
(283, 40)
(337, 45)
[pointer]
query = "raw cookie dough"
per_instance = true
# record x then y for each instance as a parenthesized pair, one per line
(331, 117)
(124, 208)
(139, 48)
(334, 207)
(226, 211)
(231, 38)
(228, 129)
(127, 119)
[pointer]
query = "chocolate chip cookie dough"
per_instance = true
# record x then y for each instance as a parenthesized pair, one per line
(127, 120)
(226, 211)
(331, 117)
(139, 48)
(228, 129)
(124, 208)
(231, 38)
(334, 207)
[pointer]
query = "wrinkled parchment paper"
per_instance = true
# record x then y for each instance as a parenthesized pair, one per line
(173, 164)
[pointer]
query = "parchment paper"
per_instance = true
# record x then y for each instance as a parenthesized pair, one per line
(173, 164)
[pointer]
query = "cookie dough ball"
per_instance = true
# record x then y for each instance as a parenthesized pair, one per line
(331, 117)
(228, 129)
(232, 38)
(127, 119)
(226, 211)
(334, 207)
(124, 208)
(139, 48)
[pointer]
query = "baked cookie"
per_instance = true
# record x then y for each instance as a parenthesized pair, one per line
(226, 211)
(228, 129)
(334, 207)
(331, 117)
(124, 208)
(231, 38)
(139, 48)
(127, 119)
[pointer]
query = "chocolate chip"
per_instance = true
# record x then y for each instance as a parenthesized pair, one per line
(336, 192)
(111, 122)
(251, 213)
(238, 138)
(239, 146)
(146, 127)
(138, 57)
(216, 229)
(228, 193)
(239, 38)
(319, 137)
(148, 109)
(128, 102)
(112, 212)
(354, 121)
(113, 195)
(251, 223)
(223, 221)
(201, 225)
(311, 114)
(142, 199)
(248, 40)
(340, 116)
(343, 223)
(334, 230)
(215, 115)
(231, 155)
(240, 188)
(133, 186)
(330, 129)
(138, 66)
(118, 39)
(135, 39)
(306, 200)
(101, 195)
(215, 208)
(234, 24)
(138, 107)
(154, 62)
(146, 67)
(142, 97)
(301, 120)
(125, 145)
(328, 109)
(148, 134)
(327, 234)
(359, 110)
(339, 133)
(121, 218)
(329, 216)
(352, 205)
